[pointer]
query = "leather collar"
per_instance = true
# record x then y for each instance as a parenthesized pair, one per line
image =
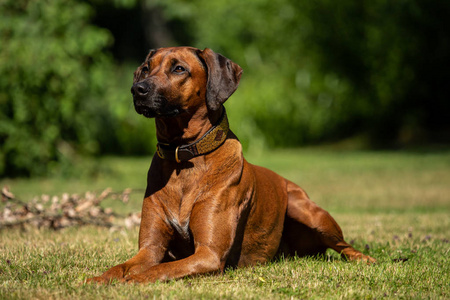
(209, 142)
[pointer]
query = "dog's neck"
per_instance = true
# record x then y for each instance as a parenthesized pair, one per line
(187, 128)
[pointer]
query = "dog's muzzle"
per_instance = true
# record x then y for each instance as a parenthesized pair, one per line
(151, 104)
(141, 89)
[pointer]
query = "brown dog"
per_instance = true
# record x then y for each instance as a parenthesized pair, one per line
(205, 206)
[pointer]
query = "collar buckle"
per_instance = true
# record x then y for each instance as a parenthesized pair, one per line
(176, 155)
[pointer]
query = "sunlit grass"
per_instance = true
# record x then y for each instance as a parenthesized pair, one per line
(378, 181)
(394, 206)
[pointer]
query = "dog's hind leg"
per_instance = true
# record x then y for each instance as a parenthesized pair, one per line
(310, 230)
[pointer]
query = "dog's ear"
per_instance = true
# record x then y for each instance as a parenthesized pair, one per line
(137, 72)
(150, 54)
(223, 77)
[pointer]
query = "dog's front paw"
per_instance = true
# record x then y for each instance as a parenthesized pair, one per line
(97, 280)
(368, 259)
(138, 278)
(359, 257)
(115, 273)
(352, 254)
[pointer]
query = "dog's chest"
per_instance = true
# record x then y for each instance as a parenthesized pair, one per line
(182, 230)
(181, 188)
(181, 194)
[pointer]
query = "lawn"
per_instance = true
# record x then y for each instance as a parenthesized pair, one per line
(394, 206)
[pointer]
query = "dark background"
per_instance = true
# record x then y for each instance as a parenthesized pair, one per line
(367, 74)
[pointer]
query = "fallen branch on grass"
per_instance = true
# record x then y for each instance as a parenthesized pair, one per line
(68, 210)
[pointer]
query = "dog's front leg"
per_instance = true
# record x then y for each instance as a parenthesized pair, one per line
(213, 231)
(141, 261)
(154, 237)
(204, 260)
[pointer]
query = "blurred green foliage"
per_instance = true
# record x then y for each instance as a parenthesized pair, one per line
(324, 70)
(52, 69)
(314, 71)
(61, 96)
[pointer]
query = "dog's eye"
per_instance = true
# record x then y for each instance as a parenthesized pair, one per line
(144, 70)
(179, 69)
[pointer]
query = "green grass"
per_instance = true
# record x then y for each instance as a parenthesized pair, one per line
(394, 206)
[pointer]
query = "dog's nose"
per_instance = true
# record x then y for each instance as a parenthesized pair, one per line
(140, 89)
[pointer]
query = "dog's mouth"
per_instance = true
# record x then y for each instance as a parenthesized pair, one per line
(145, 111)
(162, 110)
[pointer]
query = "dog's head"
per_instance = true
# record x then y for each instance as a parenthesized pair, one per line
(182, 79)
